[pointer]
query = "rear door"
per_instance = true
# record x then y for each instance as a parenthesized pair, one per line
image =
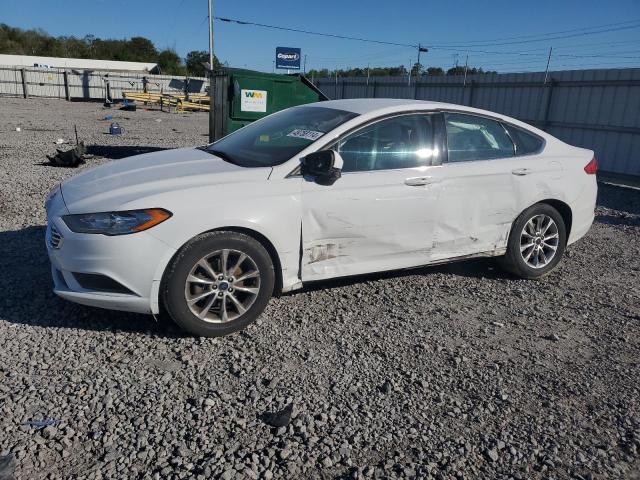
(380, 214)
(486, 182)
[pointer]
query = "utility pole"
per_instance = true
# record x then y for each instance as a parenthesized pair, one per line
(304, 69)
(546, 72)
(409, 76)
(466, 65)
(367, 74)
(211, 81)
(211, 34)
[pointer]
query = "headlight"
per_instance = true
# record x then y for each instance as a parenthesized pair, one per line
(116, 223)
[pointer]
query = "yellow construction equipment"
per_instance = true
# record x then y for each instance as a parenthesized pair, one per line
(177, 101)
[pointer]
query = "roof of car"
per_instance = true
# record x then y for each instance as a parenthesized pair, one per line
(375, 106)
(367, 105)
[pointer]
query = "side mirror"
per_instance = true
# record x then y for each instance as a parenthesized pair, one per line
(324, 166)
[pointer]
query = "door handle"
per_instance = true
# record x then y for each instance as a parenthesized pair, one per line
(521, 171)
(419, 181)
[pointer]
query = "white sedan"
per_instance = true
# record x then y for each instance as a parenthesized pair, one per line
(314, 192)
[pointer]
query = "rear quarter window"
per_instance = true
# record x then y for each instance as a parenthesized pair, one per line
(526, 143)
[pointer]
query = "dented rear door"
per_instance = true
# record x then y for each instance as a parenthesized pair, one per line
(484, 187)
(477, 204)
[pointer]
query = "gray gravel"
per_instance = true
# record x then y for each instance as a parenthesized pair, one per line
(458, 371)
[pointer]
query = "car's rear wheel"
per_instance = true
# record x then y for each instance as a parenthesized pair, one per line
(218, 283)
(536, 243)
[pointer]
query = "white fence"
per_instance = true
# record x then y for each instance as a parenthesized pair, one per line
(73, 84)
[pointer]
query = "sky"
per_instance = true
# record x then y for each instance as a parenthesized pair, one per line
(451, 29)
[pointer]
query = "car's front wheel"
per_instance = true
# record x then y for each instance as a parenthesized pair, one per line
(536, 243)
(218, 283)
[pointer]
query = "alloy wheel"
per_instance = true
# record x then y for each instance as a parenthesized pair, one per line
(539, 241)
(222, 286)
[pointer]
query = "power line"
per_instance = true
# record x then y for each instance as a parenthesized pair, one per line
(581, 32)
(548, 33)
(546, 39)
(602, 43)
(489, 52)
(343, 37)
(591, 66)
(387, 53)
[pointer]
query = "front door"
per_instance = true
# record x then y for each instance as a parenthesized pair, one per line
(380, 215)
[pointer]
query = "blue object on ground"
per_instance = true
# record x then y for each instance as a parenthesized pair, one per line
(115, 129)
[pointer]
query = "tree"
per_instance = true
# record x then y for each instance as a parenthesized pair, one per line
(460, 70)
(195, 60)
(435, 71)
(136, 49)
(360, 72)
(456, 71)
(170, 63)
(416, 69)
(141, 49)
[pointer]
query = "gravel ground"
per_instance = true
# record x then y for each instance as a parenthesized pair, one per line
(457, 371)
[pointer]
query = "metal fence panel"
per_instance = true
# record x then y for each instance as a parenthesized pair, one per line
(10, 82)
(81, 84)
(595, 109)
(45, 83)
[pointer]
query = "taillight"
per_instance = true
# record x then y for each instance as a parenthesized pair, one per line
(592, 167)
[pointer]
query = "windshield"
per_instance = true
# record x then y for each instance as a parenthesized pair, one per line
(278, 137)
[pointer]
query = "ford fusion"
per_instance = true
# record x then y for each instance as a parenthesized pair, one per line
(314, 192)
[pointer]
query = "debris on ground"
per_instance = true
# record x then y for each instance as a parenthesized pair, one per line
(115, 129)
(280, 418)
(128, 106)
(40, 423)
(68, 158)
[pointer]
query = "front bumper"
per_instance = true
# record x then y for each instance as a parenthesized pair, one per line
(135, 261)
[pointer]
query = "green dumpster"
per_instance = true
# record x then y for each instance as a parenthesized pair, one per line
(243, 96)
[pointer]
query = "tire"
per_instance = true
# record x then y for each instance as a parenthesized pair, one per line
(219, 304)
(521, 257)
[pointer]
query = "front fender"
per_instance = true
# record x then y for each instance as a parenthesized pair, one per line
(271, 208)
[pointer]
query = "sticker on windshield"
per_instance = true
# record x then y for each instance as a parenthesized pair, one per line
(306, 134)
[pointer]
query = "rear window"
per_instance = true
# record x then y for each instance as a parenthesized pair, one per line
(526, 143)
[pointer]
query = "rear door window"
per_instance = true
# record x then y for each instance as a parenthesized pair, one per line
(470, 138)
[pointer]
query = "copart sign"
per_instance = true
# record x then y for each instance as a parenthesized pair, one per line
(287, 57)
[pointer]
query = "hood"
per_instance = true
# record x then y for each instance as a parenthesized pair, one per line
(119, 182)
